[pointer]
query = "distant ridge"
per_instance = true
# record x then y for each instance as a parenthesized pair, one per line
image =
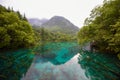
(60, 24)
(36, 21)
(55, 24)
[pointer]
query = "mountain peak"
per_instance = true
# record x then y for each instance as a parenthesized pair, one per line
(59, 18)
(59, 23)
(55, 24)
(56, 17)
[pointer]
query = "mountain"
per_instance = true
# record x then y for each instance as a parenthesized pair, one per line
(37, 22)
(60, 24)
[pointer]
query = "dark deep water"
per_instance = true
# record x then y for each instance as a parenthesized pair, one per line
(59, 61)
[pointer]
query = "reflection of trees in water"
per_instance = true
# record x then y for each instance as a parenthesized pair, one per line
(59, 52)
(42, 41)
(99, 66)
(14, 64)
(40, 49)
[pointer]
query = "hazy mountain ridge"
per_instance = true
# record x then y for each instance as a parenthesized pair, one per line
(56, 24)
(60, 24)
(36, 21)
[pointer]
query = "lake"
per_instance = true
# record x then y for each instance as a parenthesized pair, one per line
(58, 61)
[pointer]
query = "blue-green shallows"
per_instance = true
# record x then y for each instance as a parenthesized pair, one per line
(58, 61)
(14, 64)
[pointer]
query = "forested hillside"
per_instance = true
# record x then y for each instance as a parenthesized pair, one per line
(49, 36)
(103, 27)
(15, 31)
(56, 29)
(60, 24)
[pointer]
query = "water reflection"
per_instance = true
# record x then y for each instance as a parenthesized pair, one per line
(63, 66)
(45, 70)
(100, 66)
(58, 53)
(58, 61)
(14, 64)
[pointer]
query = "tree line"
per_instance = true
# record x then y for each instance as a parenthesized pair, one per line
(103, 27)
(15, 31)
(48, 36)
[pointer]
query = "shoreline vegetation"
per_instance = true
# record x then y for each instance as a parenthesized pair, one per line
(15, 31)
(102, 28)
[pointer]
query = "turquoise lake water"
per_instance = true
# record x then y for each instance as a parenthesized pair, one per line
(58, 61)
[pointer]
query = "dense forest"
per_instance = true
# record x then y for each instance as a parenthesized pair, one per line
(103, 28)
(15, 31)
(49, 36)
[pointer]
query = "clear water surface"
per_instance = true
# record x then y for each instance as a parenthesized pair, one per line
(58, 61)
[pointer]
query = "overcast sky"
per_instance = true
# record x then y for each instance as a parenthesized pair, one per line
(74, 10)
